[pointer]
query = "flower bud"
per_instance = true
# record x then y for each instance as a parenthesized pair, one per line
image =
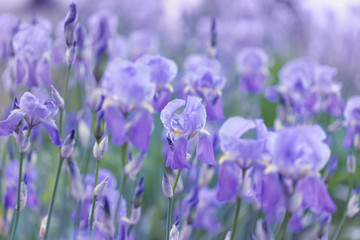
(101, 187)
(99, 150)
(353, 206)
(57, 98)
(69, 24)
(263, 230)
(77, 188)
(228, 235)
(139, 191)
(71, 53)
(100, 126)
(351, 163)
(68, 147)
(166, 187)
(322, 225)
(134, 166)
(22, 141)
(192, 202)
(174, 232)
(23, 195)
(43, 227)
(331, 168)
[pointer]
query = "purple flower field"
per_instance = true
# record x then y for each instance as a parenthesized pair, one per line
(179, 119)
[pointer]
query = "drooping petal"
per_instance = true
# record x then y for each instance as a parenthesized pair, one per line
(141, 129)
(7, 127)
(229, 180)
(204, 149)
(116, 122)
(315, 195)
(177, 159)
(52, 130)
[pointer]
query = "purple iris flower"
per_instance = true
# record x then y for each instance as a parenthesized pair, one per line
(34, 112)
(252, 65)
(30, 176)
(129, 93)
(183, 127)
(162, 71)
(352, 119)
(32, 46)
(203, 78)
(308, 87)
(296, 151)
(243, 151)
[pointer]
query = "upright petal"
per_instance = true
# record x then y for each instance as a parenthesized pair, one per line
(204, 149)
(7, 127)
(52, 130)
(169, 110)
(141, 129)
(116, 122)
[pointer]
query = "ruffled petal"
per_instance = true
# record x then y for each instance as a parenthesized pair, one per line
(117, 124)
(52, 130)
(167, 112)
(204, 149)
(7, 127)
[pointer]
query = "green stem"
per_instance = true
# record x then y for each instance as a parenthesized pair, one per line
(338, 230)
(284, 226)
(18, 196)
(123, 180)
(168, 219)
(238, 205)
(58, 171)
(68, 69)
(94, 197)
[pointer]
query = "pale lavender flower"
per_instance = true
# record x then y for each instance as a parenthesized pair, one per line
(183, 127)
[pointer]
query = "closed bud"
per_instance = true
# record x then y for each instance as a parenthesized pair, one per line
(101, 187)
(174, 232)
(351, 163)
(23, 195)
(71, 54)
(77, 187)
(331, 168)
(353, 206)
(106, 223)
(68, 147)
(69, 24)
(134, 166)
(166, 187)
(43, 227)
(263, 230)
(100, 126)
(228, 235)
(100, 149)
(139, 192)
(57, 98)
(192, 203)
(22, 141)
(323, 222)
